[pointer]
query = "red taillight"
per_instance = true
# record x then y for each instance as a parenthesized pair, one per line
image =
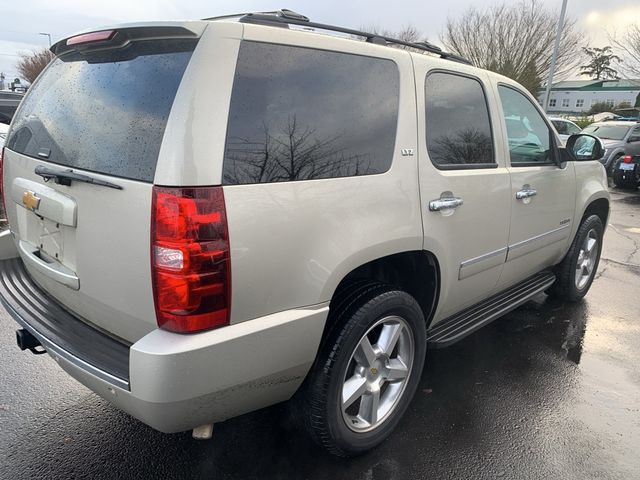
(626, 159)
(91, 37)
(190, 258)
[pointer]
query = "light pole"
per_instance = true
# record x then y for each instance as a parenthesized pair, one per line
(554, 56)
(48, 35)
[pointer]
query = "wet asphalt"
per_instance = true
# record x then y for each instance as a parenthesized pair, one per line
(548, 391)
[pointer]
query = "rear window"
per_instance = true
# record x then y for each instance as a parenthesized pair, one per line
(103, 111)
(303, 114)
(608, 132)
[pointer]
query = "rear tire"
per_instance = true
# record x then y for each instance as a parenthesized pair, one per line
(613, 165)
(575, 274)
(367, 370)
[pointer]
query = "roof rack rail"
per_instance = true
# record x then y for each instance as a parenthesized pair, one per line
(284, 18)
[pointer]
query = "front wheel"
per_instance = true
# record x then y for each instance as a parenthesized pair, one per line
(367, 371)
(574, 275)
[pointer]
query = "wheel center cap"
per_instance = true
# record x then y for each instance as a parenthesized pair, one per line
(374, 371)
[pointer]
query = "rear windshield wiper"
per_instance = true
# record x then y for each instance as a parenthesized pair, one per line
(65, 177)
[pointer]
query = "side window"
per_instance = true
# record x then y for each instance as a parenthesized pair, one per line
(458, 128)
(561, 126)
(304, 114)
(635, 135)
(573, 129)
(528, 134)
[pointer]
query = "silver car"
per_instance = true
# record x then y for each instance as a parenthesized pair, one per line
(211, 217)
(564, 127)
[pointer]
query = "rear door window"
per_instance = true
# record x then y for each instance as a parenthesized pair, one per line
(103, 111)
(304, 114)
(458, 127)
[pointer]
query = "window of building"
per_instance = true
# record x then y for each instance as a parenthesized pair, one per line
(565, 102)
(609, 102)
(580, 103)
(552, 102)
(458, 127)
(303, 114)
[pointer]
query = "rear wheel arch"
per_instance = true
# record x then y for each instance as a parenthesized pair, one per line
(415, 272)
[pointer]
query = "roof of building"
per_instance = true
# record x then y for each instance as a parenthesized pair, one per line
(597, 85)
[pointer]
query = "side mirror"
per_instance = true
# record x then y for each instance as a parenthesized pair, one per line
(582, 147)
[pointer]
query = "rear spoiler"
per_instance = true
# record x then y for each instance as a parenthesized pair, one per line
(120, 36)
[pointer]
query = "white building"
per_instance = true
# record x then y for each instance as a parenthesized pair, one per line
(577, 96)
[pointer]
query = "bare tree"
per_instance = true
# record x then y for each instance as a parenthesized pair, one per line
(31, 64)
(629, 46)
(408, 33)
(295, 152)
(516, 40)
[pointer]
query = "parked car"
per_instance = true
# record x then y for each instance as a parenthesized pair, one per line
(627, 172)
(305, 230)
(9, 102)
(4, 128)
(564, 127)
(620, 138)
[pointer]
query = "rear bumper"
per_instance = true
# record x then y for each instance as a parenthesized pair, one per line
(169, 381)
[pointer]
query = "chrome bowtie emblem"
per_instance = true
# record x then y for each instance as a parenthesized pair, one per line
(30, 200)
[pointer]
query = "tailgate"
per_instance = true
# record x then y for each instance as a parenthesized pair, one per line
(95, 118)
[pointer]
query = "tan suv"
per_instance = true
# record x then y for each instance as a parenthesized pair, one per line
(211, 217)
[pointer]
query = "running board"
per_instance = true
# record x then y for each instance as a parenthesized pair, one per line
(458, 326)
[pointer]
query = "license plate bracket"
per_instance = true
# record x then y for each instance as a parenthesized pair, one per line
(50, 238)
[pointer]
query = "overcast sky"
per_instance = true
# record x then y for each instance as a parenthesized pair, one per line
(22, 20)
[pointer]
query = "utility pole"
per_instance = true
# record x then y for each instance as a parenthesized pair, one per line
(48, 35)
(554, 55)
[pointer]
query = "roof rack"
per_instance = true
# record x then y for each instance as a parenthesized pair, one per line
(284, 18)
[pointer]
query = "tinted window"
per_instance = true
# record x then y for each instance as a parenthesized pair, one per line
(458, 126)
(103, 111)
(303, 114)
(528, 134)
(635, 135)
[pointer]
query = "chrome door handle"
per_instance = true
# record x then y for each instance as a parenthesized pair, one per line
(526, 193)
(445, 203)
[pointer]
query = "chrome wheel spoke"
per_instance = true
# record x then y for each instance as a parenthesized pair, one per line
(586, 262)
(376, 375)
(389, 337)
(396, 370)
(352, 390)
(364, 353)
(369, 406)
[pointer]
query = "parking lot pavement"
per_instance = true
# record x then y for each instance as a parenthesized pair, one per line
(549, 391)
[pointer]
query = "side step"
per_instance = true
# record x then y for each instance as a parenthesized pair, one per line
(463, 323)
